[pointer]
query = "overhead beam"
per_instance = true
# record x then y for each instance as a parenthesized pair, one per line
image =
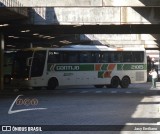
(152, 49)
(83, 15)
(95, 15)
(84, 29)
(131, 3)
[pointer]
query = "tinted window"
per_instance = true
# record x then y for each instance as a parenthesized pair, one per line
(127, 57)
(95, 57)
(38, 63)
(20, 69)
(73, 57)
(54, 57)
(138, 56)
(85, 57)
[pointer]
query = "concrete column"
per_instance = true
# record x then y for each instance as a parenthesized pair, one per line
(1, 60)
(159, 60)
(31, 45)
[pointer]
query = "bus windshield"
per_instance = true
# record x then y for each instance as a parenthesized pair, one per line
(20, 68)
(28, 64)
(38, 63)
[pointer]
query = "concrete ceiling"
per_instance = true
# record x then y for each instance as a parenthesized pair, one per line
(57, 34)
(19, 34)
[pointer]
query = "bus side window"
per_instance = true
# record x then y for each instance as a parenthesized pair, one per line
(85, 57)
(95, 56)
(138, 56)
(64, 57)
(127, 57)
(81, 57)
(111, 57)
(117, 57)
(53, 57)
(73, 57)
(105, 57)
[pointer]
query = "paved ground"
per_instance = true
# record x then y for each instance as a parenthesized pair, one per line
(83, 108)
(143, 88)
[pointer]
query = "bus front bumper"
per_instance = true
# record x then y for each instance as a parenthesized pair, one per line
(17, 83)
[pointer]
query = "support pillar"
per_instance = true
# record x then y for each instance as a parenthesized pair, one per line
(31, 45)
(1, 61)
(159, 60)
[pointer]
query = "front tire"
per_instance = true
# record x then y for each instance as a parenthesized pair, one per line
(52, 84)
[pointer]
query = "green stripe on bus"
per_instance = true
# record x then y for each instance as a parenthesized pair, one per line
(131, 67)
(87, 67)
(92, 67)
(84, 67)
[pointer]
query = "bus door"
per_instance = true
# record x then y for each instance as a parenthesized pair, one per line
(37, 67)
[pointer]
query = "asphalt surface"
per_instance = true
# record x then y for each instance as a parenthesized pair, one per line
(83, 109)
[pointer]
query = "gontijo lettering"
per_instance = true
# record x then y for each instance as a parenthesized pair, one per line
(66, 68)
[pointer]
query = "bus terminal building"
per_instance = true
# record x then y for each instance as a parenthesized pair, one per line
(26, 24)
(79, 65)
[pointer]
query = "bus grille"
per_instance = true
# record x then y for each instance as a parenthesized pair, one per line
(139, 76)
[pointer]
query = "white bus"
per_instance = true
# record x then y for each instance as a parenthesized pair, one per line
(79, 65)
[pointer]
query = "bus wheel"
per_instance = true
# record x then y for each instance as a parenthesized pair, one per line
(114, 82)
(125, 82)
(52, 84)
(99, 86)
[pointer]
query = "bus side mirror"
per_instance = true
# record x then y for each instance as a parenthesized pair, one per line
(29, 61)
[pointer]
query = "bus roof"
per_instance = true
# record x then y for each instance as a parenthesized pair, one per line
(89, 48)
(101, 48)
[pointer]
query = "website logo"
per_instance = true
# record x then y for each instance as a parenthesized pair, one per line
(6, 128)
(25, 102)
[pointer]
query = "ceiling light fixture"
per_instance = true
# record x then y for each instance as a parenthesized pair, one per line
(65, 42)
(46, 36)
(41, 36)
(25, 31)
(51, 38)
(36, 34)
(4, 25)
(16, 37)
(10, 46)
(10, 36)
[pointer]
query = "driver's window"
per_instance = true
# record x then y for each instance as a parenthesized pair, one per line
(38, 63)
